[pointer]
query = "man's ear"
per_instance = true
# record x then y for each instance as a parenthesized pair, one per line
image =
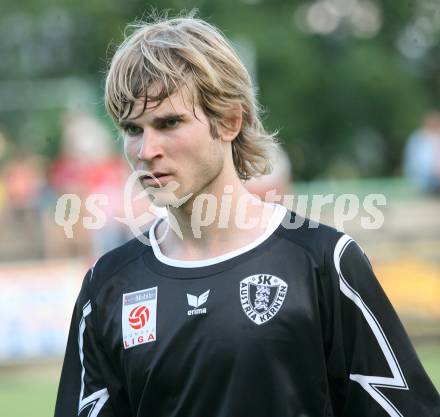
(231, 124)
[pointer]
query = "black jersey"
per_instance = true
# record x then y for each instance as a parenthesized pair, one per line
(295, 325)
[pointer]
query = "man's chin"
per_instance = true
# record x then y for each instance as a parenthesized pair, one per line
(163, 198)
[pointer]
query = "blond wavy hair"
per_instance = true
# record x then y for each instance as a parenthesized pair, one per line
(187, 51)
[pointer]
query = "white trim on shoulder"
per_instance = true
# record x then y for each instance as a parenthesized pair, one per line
(275, 221)
(368, 382)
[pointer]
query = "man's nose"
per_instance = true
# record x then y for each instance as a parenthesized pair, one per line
(150, 145)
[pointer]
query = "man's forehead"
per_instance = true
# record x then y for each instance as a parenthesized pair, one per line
(182, 100)
(175, 103)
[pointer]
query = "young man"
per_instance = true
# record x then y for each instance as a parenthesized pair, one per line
(241, 316)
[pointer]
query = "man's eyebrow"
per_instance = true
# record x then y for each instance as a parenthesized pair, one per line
(166, 116)
(155, 120)
(126, 123)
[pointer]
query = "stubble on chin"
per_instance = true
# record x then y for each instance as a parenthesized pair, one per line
(171, 195)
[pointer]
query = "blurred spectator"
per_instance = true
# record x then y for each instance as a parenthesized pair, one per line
(23, 189)
(278, 182)
(422, 154)
(24, 180)
(3, 196)
(88, 164)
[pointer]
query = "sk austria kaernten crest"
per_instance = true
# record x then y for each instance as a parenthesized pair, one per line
(262, 296)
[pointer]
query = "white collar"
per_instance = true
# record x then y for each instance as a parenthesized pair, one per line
(276, 219)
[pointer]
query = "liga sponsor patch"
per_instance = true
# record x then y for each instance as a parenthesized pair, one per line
(262, 296)
(139, 311)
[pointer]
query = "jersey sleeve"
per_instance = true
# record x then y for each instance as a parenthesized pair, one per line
(373, 369)
(87, 385)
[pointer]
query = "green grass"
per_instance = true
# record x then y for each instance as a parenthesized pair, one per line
(27, 397)
(430, 356)
(31, 391)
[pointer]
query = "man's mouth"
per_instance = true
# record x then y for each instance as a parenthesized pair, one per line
(155, 179)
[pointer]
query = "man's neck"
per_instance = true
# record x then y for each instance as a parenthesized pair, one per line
(236, 220)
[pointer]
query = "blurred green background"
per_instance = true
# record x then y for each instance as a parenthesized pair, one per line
(346, 82)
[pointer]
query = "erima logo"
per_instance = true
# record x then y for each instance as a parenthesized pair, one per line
(196, 302)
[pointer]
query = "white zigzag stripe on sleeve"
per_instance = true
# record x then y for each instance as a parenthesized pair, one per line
(369, 382)
(97, 399)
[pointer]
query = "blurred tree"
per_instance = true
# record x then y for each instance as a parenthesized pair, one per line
(345, 81)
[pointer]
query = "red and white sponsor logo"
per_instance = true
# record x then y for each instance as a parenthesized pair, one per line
(138, 317)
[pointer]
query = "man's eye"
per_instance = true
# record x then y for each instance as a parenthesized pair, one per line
(132, 130)
(171, 123)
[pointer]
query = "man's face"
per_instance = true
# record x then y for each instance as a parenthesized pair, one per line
(173, 142)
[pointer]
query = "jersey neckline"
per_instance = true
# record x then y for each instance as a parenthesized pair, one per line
(175, 267)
